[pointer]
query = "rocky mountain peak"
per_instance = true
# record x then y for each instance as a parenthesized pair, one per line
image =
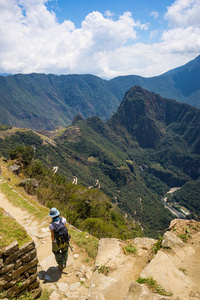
(145, 116)
(139, 113)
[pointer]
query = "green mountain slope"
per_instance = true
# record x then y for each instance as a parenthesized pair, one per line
(149, 145)
(39, 101)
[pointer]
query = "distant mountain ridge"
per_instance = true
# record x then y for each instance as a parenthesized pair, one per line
(39, 101)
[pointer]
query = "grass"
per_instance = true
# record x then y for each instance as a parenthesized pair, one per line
(130, 248)
(104, 270)
(90, 244)
(157, 246)
(32, 206)
(152, 284)
(10, 231)
(11, 131)
(17, 196)
(184, 236)
(19, 201)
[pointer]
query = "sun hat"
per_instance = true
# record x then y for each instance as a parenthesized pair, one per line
(54, 212)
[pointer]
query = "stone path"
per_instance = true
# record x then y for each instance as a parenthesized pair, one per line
(73, 281)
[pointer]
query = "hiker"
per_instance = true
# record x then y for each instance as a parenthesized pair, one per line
(59, 244)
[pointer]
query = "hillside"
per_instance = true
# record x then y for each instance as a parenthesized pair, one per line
(148, 146)
(39, 101)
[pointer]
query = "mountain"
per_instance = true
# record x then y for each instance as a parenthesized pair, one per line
(146, 116)
(39, 101)
(182, 84)
(148, 146)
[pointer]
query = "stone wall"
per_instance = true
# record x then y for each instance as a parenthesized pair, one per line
(18, 270)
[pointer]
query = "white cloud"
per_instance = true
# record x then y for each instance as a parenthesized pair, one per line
(108, 14)
(35, 42)
(184, 13)
(180, 40)
(106, 33)
(154, 14)
(32, 40)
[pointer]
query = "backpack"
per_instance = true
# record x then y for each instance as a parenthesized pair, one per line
(61, 233)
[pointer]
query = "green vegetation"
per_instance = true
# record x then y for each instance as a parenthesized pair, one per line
(157, 246)
(10, 231)
(18, 200)
(40, 212)
(4, 127)
(87, 209)
(184, 236)
(134, 159)
(151, 283)
(32, 100)
(189, 197)
(90, 244)
(104, 270)
(24, 155)
(130, 248)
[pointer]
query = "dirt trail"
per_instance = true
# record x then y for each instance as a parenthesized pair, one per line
(65, 283)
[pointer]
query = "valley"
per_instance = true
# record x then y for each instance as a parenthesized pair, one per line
(148, 146)
(171, 207)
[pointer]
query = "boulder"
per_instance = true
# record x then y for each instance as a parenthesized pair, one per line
(31, 181)
(162, 269)
(108, 251)
(144, 243)
(170, 240)
(16, 169)
(138, 291)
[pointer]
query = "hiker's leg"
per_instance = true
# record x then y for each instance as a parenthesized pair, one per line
(65, 254)
(58, 255)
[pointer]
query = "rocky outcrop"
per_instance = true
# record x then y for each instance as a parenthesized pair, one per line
(115, 271)
(174, 268)
(18, 270)
(16, 169)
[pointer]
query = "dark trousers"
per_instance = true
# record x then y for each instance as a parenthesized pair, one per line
(61, 253)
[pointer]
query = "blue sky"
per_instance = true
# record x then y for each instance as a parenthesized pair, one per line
(77, 10)
(105, 38)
